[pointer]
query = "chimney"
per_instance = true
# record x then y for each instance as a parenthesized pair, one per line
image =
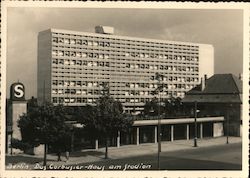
(202, 84)
(240, 76)
(205, 79)
(205, 76)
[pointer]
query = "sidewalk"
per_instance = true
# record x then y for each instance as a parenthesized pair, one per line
(92, 155)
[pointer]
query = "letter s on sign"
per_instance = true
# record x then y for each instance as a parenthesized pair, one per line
(18, 91)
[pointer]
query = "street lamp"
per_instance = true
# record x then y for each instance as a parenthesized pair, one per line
(228, 109)
(45, 124)
(159, 78)
(195, 124)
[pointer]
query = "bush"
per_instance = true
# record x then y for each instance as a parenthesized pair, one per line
(18, 144)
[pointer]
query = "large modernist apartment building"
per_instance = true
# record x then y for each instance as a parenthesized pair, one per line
(72, 67)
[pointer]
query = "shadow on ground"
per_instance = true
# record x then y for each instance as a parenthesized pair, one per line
(86, 153)
(81, 153)
(167, 163)
(23, 159)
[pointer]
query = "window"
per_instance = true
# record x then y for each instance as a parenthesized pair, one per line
(79, 42)
(95, 43)
(60, 83)
(90, 55)
(54, 53)
(54, 82)
(78, 54)
(72, 100)
(72, 41)
(107, 44)
(60, 40)
(54, 61)
(54, 100)
(101, 56)
(90, 43)
(55, 39)
(107, 64)
(73, 54)
(101, 64)
(84, 42)
(101, 44)
(66, 53)
(79, 62)
(106, 56)
(66, 41)
(60, 53)
(67, 62)
(60, 91)
(84, 55)
(72, 83)
(78, 100)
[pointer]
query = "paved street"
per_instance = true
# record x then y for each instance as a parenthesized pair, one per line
(211, 153)
(222, 157)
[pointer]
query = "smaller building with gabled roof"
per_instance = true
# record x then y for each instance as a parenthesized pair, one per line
(220, 94)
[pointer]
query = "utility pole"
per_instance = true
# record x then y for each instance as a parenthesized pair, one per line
(227, 110)
(159, 77)
(45, 123)
(195, 124)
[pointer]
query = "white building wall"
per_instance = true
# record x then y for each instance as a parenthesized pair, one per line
(44, 67)
(182, 63)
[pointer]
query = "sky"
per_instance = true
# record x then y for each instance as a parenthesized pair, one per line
(221, 28)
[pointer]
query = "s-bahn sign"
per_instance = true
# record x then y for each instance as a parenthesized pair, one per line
(17, 92)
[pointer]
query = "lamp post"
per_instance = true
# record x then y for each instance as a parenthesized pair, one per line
(159, 79)
(228, 109)
(45, 124)
(195, 124)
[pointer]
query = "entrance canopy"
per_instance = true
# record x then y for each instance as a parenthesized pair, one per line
(177, 121)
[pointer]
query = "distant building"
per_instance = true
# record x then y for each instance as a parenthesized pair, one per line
(219, 95)
(72, 67)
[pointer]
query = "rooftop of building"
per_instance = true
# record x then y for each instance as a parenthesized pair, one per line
(220, 88)
(123, 37)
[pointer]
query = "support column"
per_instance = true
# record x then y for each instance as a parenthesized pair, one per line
(241, 115)
(127, 139)
(137, 136)
(96, 144)
(187, 133)
(172, 133)
(72, 140)
(118, 139)
(155, 134)
(201, 130)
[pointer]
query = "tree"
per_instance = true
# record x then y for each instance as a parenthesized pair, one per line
(151, 107)
(111, 119)
(45, 125)
(173, 107)
(105, 119)
(87, 115)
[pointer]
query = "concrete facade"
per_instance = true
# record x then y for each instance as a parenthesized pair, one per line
(72, 67)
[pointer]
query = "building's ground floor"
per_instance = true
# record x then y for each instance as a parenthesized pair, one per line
(146, 131)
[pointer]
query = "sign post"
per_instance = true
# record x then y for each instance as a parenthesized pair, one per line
(16, 108)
